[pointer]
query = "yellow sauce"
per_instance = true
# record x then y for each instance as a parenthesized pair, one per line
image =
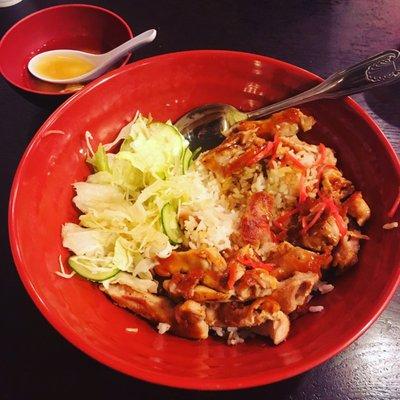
(63, 67)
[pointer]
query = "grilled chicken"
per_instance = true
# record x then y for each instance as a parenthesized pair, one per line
(284, 123)
(324, 234)
(294, 291)
(277, 329)
(239, 314)
(183, 285)
(190, 320)
(210, 279)
(248, 285)
(150, 306)
(255, 283)
(335, 185)
(358, 208)
(289, 259)
(221, 157)
(346, 253)
(251, 141)
(186, 319)
(177, 289)
(263, 316)
(184, 261)
(254, 224)
(207, 263)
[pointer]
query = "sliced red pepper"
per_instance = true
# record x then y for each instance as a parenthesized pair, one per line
(249, 262)
(284, 217)
(303, 222)
(269, 127)
(320, 209)
(281, 237)
(248, 158)
(322, 154)
(321, 162)
(340, 223)
(274, 150)
(231, 274)
(345, 205)
(289, 158)
(333, 209)
(302, 191)
(323, 168)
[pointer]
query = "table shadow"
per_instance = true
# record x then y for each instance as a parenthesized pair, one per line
(279, 390)
(40, 100)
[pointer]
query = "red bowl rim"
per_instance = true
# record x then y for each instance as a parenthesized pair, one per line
(165, 379)
(43, 10)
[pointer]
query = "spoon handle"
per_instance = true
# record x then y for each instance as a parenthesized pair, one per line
(132, 44)
(381, 69)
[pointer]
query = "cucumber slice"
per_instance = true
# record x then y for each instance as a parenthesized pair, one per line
(169, 222)
(169, 136)
(187, 156)
(195, 154)
(85, 268)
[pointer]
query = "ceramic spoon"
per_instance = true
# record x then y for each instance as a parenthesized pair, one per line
(101, 62)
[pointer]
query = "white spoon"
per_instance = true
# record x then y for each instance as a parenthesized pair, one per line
(100, 62)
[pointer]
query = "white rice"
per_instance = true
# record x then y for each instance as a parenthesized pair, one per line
(163, 327)
(210, 221)
(283, 181)
(283, 184)
(218, 331)
(258, 184)
(233, 336)
(391, 225)
(323, 287)
(314, 309)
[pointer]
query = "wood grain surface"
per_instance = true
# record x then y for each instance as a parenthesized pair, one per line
(321, 36)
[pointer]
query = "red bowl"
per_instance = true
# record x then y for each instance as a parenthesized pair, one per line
(70, 26)
(167, 86)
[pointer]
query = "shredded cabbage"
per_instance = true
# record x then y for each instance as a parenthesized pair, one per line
(121, 203)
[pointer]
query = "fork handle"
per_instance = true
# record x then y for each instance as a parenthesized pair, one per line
(381, 69)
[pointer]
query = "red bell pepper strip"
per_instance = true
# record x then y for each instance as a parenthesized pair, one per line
(323, 168)
(249, 262)
(320, 209)
(333, 209)
(302, 191)
(250, 157)
(231, 274)
(322, 154)
(284, 217)
(289, 158)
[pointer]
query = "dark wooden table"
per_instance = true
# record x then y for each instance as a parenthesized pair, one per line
(321, 36)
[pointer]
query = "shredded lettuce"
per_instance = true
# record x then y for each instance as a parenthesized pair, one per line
(87, 242)
(99, 160)
(121, 202)
(123, 255)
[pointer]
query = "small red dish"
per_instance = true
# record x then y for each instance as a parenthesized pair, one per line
(167, 86)
(70, 26)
